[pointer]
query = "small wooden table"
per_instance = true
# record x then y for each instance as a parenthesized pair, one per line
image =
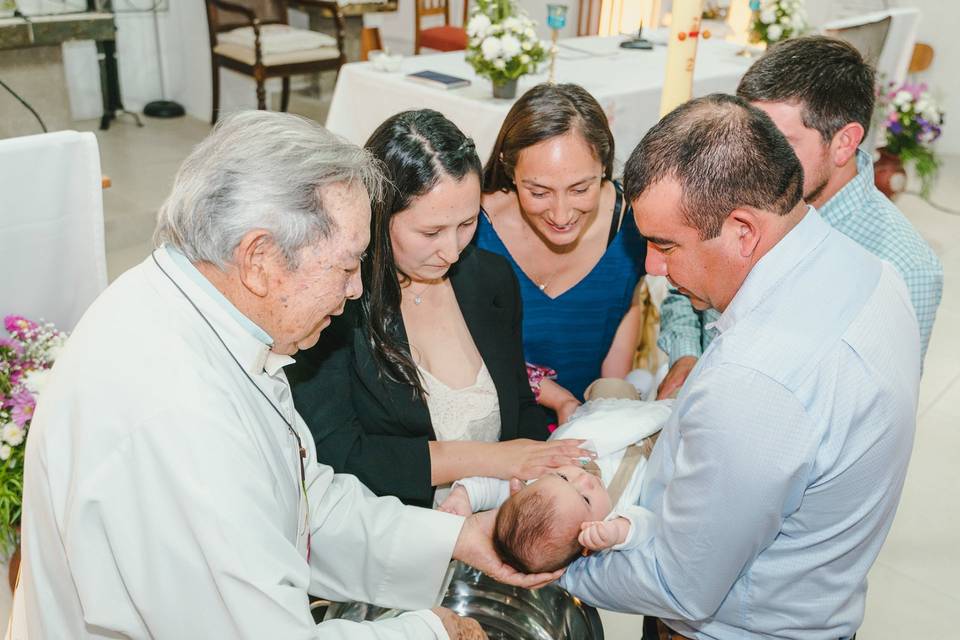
(320, 20)
(53, 30)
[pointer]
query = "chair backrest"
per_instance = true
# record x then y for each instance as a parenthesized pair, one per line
(900, 34)
(432, 8)
(867, 37)
(220, 18)
(53, 259)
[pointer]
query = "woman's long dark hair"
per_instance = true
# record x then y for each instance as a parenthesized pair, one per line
(543, 112)
(417, 148)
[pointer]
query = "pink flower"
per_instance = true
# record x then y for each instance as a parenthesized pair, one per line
(13, 345)
(19, 327)
(23, 404)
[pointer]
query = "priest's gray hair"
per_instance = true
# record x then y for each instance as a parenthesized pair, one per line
(260, 170)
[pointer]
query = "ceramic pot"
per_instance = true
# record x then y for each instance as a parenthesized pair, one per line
(505, 90)
(889, 175)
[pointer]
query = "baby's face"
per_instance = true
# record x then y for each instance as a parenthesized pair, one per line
(578, 495)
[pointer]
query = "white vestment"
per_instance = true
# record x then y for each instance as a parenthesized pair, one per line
(163, 496)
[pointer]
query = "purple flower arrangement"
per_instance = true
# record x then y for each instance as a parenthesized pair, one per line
(911, 121)
(26, 355)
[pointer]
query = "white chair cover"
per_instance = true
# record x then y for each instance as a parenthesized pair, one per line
(52, 255)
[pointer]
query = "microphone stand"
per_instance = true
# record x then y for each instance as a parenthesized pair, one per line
(639, 42)
(161, 108)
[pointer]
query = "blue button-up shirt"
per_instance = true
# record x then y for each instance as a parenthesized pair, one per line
(776, 478)
(865, 215)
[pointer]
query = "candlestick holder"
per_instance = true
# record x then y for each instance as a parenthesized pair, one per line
(556, 20)
(747, 51)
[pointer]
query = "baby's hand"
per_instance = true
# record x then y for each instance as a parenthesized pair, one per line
(597, 536)
(458, 502)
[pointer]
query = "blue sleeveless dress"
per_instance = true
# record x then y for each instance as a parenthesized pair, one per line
(572, 333)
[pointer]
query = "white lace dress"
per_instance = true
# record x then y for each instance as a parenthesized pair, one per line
(470, 413)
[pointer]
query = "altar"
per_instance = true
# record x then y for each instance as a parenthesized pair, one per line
(626, 83)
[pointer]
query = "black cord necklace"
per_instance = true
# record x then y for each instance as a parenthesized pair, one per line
(303, 452)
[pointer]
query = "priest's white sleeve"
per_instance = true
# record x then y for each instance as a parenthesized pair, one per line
(189, 494)
(375, 550)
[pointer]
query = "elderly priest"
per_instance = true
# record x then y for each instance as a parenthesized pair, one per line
(171, 489)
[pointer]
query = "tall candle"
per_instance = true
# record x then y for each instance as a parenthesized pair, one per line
(681, 54)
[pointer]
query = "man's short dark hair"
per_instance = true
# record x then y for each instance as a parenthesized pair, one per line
(828, 77)
(725, 154)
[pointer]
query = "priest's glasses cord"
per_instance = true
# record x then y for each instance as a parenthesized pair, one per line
(302, 451)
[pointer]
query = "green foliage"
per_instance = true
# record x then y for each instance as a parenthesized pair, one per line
(11, 492)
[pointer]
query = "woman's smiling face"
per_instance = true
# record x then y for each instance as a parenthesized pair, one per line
(558, 184)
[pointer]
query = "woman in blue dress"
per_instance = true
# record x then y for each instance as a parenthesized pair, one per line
(551, 207)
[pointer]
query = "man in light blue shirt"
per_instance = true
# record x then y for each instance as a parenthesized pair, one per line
(775, 480)
(820, 93)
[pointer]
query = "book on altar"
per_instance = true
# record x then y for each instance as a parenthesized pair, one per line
(439, 80)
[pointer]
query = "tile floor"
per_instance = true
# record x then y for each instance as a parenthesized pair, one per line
(914, 588)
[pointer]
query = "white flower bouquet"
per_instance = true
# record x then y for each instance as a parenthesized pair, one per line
(503, 44)
(777, 20)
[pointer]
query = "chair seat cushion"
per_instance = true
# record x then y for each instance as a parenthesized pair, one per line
(445, 38)
(279, 44)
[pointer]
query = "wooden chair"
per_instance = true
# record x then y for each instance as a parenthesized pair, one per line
(253, 37)
(921, 59)
(443, 38)
(369, 41)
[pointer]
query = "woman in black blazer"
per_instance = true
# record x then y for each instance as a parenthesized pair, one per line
(436, 335)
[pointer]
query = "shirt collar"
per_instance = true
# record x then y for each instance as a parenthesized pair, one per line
(773, 267)
(248, 342)
(853, 195)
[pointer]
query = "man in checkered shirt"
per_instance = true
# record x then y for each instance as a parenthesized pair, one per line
(820, 93)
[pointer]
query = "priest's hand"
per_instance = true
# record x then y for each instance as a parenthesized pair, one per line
(459, 628)
(475, 547)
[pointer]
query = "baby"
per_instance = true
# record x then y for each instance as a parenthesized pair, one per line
(546, 524)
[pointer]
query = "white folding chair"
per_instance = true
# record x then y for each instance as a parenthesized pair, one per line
(52, 254)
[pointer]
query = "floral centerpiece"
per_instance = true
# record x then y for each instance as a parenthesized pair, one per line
(503, 44)
(912, 120)
(25, 358)
(777, 20)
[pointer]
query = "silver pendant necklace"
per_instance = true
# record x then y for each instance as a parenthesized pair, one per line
(418, 297)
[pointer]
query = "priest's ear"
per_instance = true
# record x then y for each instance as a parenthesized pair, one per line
(255, 258)
(515, 485)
